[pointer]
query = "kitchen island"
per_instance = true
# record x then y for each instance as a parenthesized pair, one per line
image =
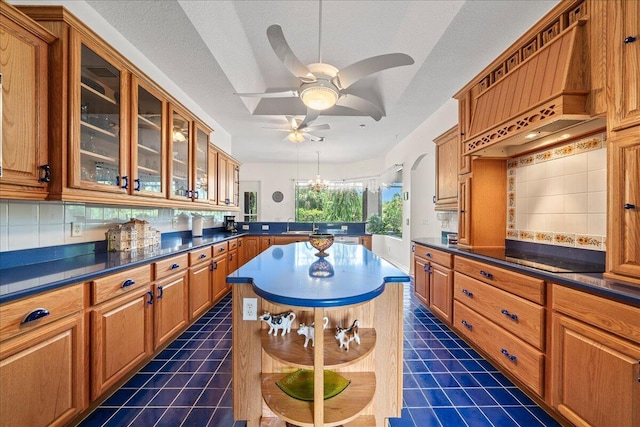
(350, 284)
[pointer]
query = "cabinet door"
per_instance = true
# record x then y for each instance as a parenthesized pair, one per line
(233, 184)
(148, 141)
(421, 271)
(464, 206)
(213, 175)
(98, 119)
(219, 280)
(250, 248)
(171, 311)
(23, 55)
(120, 338)
(223, 195)
(266, 242)
(42, 375)
(447, 170)
(590, 368)
(624, 64)
(199, 290)
(200, 185)
(624, 207)
(441, 291)
(180, 153)
(233, 261)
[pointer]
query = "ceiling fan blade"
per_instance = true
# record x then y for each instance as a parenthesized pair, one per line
(354, 72)
(313, 137)
(286, 55)
(311, 116)
(357, 103)
(283, 94)
(279, 129)
(315, 127)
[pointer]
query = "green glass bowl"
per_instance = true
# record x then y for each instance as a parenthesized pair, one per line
(299, 384)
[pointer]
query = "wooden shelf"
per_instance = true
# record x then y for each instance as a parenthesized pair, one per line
(149, 149)
(338, 410)
(98, 156)
(98, 129)
(149, 170)
(361, 421)
(144, 122)
(289, 349)
(98, 94)
(179, 161)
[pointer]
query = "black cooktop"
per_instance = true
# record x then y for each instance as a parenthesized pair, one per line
(554, 264)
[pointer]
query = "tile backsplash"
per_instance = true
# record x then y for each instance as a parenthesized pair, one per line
(28, 225)
(558, 196)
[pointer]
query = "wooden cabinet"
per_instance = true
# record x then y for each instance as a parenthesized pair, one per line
(43, 358)
(421, 279)
(171, 291)
(623, 226)
(233, 257)
(213, 175)
(441, 291)
(595, 341)
(219, 284)
(434, 280)
(250, 248)
(285, 240)
(366, 241)
(266, 242)
(228, 181)
(623, 64)
(199, 282)
(24, 166)
(447, 154)
(482, 210)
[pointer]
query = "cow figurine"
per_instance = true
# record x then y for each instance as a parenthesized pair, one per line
(308, 331)
(346, 335)
(278, 322)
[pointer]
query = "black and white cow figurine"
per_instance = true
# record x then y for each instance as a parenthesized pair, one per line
(276, 322)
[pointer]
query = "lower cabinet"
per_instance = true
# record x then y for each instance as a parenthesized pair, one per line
(266, 242)
(434, 280)
(421, 279)
(43, 375)
(595, 372)
(171, 307)
(219, 284)
(249, 248)
(199, 290)
(440, 291)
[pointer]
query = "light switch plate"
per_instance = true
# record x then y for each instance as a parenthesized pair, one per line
(245, 226)
(344, 227)
(265, 227)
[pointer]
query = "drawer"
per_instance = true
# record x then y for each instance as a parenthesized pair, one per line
(200, 255)
(116, 284)
(219, 248)
(612, 316)
(550, 33)
(59, 303)
(232, 244)
(517, 315)
(439, 257)
(527, 287)
(169, 266)
(513, 61)
(514, 355)
(529, 49)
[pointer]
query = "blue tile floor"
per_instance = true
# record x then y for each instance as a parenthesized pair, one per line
(446, 383)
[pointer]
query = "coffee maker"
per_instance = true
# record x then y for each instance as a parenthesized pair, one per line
(230, 224)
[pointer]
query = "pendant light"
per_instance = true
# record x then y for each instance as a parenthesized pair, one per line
(318, 184)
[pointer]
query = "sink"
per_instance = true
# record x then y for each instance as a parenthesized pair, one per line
(305, 233)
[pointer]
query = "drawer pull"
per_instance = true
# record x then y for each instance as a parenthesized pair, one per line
(230, 257)
(467, 324)
(487, 275)
(428, 254)
(467, 293)
(221, 250)
(203, 256)
(214, 266)
(160, 292)
(508, 355)
(511, 316)
(127, 283)
(629, 206)
(36, 314)
(629, 39)
(174, 266)
(150, 295)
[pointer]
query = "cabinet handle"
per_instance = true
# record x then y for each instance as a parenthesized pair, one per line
(629, 206)
(214, 265)
(487, 275)
(150, 295)
(434, 199)
(629, 39)
(467, 324)
(467, 293)
(511, 316)
(227, 201)
(137, 187)
(461, 211)
(125, 182)
(240, 243)
(230, 257)
(187, 193)
(45, 173)
(428, 255)
(508, 356)
(196, 195)
(221, 250)
(161, 292)
(174, 266)
(127, 283)
(36, 314)
(203, 256)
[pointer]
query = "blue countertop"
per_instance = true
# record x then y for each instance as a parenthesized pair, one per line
(293, 275)
(593, 283)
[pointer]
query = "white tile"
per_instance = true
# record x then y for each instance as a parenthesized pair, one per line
(536, 188)
(537, 171)
(597, 224)
(521, 175)
(51, 213)
(576, 223)
(554, 204)
(576, 183)
(73, 212)
(522, 204)
(575, 164)
(51, 235)
(536, 205)
(555, 222)
(22, 237)
(4, 212)
(521, 221)
(597, 202)
(23, 213)
(537, 222)
(575, 203)
(597, 159)
(4, 238)
(597, 180)
(555, 167)
(554, 186)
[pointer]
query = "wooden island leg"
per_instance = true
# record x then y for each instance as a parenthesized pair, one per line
(318, 369)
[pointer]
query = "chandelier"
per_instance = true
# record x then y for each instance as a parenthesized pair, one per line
(318, 184)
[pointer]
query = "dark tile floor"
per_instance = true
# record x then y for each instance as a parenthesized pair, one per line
(446, 383)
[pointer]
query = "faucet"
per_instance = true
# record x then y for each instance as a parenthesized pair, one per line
(314, 228)
(288, 220)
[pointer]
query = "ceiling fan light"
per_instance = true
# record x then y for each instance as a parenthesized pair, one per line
(319, 97)
(295, 136)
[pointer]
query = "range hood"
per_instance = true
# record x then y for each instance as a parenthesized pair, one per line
(540, 102)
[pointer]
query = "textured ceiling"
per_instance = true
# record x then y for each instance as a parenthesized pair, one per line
(213, 49)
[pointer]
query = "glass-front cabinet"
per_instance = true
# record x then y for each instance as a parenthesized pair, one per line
(179, 154)
(98, 149)
(148, 140)
(201, 153)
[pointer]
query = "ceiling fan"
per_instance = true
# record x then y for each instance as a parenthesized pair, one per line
(322, 85)
(299, 129)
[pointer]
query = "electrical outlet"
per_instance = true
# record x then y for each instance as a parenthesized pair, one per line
(344, 227)
(249, 309)
(245, 226)
(76, 229)
(265, 227)
(174, 223)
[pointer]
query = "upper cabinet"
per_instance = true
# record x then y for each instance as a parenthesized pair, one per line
(113, 132)
(624, 64)
(228, 181)
(447, 170)
(24, 166)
